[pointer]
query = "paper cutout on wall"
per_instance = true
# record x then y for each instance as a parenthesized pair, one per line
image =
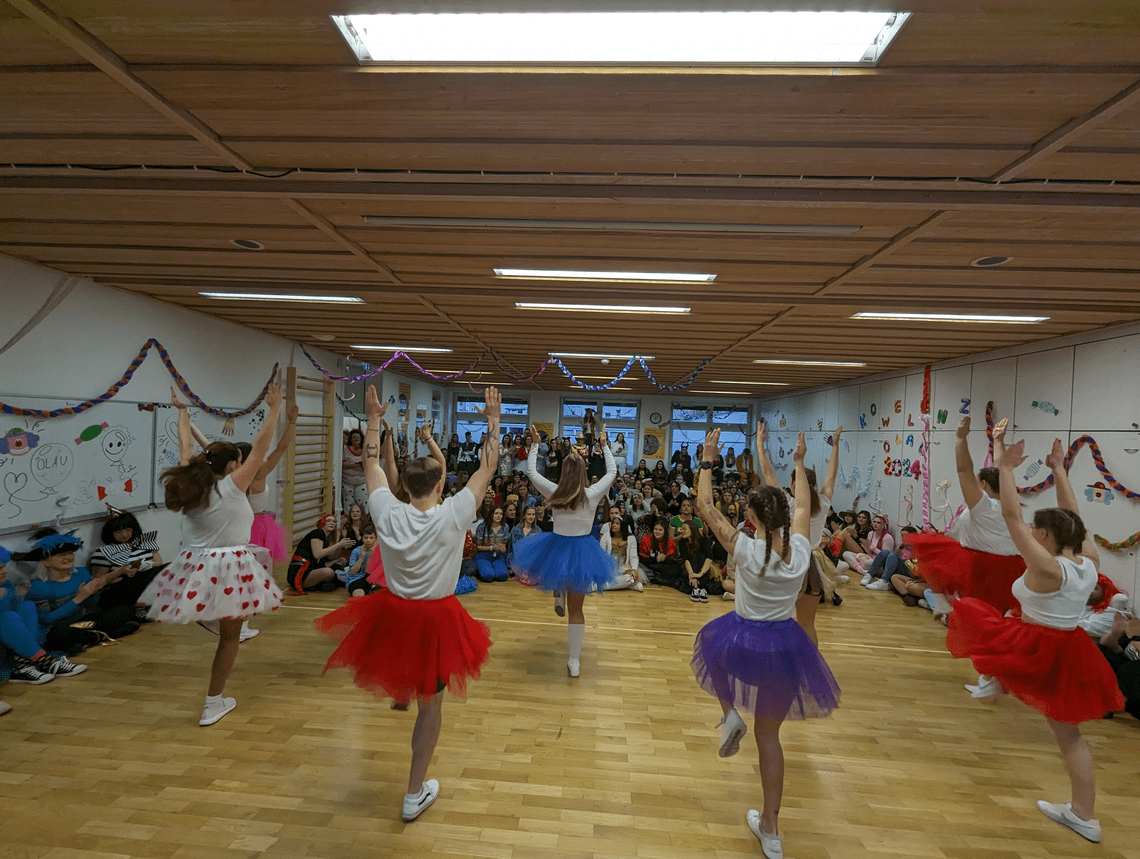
(886, 422)
(898, 407)
(1046, 406)
(820, 425)
(943, 416)
(874, 410)
(863, 421)
(1032, 469)
(909, 419)
(965, 410)
(1098, 493)
(910, 440)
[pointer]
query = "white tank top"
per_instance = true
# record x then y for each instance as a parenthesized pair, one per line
(1062, 608)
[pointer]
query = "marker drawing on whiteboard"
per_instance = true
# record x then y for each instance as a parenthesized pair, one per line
(1046, 406)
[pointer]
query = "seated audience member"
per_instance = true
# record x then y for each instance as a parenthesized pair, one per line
(21, 651)
(658, 557)
(491, 538)
(352, 526)
(660, 476)
(878, 540)
(637, 506)
(889, 562)
(673, 498)
(746, 468)
(126, 547)
(1104, 603)
(65, 595)
(357, 581)
(685, 514)
(1121, 647)
(525, 529)
(644, 525)
(696, 564)
(615, 540)
(642, 470)
(312, 565)
(543, 518)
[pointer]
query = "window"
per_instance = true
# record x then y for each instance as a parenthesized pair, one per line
(515, 417)
(690, 425)
(618, 416)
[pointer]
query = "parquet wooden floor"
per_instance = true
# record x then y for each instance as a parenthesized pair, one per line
(619, 763)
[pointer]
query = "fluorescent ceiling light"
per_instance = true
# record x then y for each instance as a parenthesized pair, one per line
(269, 296)
(726, 382)
(951, 317)
(810, 363)
(718, 393)
(401, 348)
(599, 308)
(623, 38)
(622, 276)
(612, 226)
(596, 355)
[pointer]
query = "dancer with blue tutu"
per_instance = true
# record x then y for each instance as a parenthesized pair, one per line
(757, 658)
(569, 561)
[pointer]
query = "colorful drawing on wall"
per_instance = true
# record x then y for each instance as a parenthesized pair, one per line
(1032, 469)
(819, 424)
(1045, 406)
(898, 407)
(19, 442)
(863, 421)
(1098, 493)
(404, 399)
(653, 443)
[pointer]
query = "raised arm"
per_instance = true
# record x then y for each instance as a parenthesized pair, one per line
(388, 454)
(373, 475)
(185, 429)
(275, 455)
(424, 435)
(537, 480)
(489, 454)
(766, 469)
(801, 516)
(967, 478)
(1067, 499)
(245, 473)
(828, 488)
(1041, 568)
(593, 493)
(712, 517)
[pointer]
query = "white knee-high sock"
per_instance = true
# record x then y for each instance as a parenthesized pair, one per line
(577, 632)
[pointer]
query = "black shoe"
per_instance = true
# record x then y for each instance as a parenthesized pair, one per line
(837, 600)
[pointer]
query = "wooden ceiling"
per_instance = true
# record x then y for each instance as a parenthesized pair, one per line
(139, 137)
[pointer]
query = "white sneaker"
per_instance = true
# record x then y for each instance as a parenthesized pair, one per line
(573, 667)
(879, 585)
(728, 595)
(732, 732)
(1063, 813)
(416, 804)
(213, 711)
(770, 844)
(987, 687)
(924, 604)
(866, 580)
(639, 587)
(560, 603)
(247, 632)
(4, 707)
(844, 580)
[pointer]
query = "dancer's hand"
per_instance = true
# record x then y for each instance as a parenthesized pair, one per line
(712, 446)
(535, 436)
(963, 427)
(273, 397)
(175, 400)
(373, 408)
(801, 449)
(293, 413)
(1056, 457)
(761, 434)
(1011, 456)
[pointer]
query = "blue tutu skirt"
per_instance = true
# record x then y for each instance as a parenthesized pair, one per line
(553, 562)
(769, 668)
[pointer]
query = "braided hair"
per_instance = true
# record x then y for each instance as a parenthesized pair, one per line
(1065, 526)
(770, 506)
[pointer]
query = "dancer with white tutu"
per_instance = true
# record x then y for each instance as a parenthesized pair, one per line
(414, 639)
(1044, 657)
(218, 576)
(757, 658)
(569, 561)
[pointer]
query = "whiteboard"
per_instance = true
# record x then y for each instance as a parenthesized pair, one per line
(213, 428)
(72, 466)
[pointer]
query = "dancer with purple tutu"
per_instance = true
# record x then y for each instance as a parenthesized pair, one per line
(568, 561)
(757, 658)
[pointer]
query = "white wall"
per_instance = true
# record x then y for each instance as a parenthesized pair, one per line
(1089, 380)
(87, 342)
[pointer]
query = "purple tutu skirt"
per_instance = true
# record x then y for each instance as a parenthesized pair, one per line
(553, 562)
(270, 534)
(769, 668)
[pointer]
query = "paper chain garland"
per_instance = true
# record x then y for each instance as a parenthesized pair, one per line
(112, 391)
(684, 383)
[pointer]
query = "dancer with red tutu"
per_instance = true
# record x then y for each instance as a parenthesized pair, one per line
(978, 559)
(1044, 657)
(568, 560)
(757, 657)
(413, 639)
(218, 576)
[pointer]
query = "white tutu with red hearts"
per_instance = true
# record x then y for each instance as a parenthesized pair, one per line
(213, 584)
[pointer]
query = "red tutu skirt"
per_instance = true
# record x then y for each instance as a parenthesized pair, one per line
(1059, 672)
(270, 534)
(376, 570)
(404, 649)
(954, 570)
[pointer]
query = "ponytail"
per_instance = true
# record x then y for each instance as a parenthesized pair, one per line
(187, 487)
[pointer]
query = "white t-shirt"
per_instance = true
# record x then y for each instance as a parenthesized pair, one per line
(257, 501)
(818, 521)
(422, 550)
(579, 521)
(769, 594)
(983, 529)
(227, 521)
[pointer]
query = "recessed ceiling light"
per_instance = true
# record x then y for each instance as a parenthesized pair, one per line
(810, 363)
(611, 226)
(623, 38)
(608, 276)
(726, 382)
(951, 317)
(596, 355)
(400, 348)
(990, 262)
(599, 308)
(270, 296)
(248, 244)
